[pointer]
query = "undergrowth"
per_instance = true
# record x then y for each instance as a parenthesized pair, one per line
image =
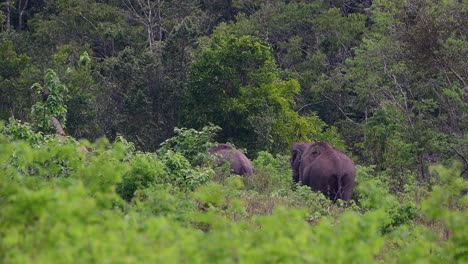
(118, 205)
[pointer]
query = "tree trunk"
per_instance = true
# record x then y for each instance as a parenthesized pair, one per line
(150, 35)
(21, 13)
(8, 18)
(58, 127)
(229, 11)
(159, 21)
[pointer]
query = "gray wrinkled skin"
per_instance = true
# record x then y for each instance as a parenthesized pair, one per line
(323, 168)
(240, 164)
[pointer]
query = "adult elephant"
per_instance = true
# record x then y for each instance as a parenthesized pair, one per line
(240, 164)
(323, 168)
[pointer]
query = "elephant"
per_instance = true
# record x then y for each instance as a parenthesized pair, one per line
(323, 168)
(240, 164)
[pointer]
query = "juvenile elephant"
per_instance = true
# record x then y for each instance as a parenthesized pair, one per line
(323, 168)
(240, 164)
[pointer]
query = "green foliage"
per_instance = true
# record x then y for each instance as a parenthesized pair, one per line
(17, 130)
(373, 194)
(236, 84)
(385, 80)
(146, 170)
(149, 170)
(163, 200)
(192, 144)
(54, 106)
(182, 174)
(17, 74)
(12, 63)
(401, 74)
(59, 204)
(230, 70)
(75, 67)
(315, 202)
(271, 173)
(211, 195)
(445, 209)
(339, 31)
(280, 68)
(86, 22)
(448, 199)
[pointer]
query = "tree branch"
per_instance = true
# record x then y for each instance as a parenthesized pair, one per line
(307, 105)
(339, 108)
(462, 157)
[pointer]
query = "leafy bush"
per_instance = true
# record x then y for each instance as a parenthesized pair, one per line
(53, 92)
(174, 169)
(146, 169)
(17, 130)
(61, 205)
(181, 174)
(191, 143)
(373, 194)
(163, 200)
(271, 173)
(175, 164)
(448, 203)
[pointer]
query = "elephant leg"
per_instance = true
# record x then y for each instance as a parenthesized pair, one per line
(345, 188)
(334, 188)
(295, 177)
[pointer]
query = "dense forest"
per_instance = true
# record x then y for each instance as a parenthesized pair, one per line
(108, 109)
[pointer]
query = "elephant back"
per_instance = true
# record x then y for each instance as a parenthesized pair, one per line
(323, 168)
(239, 163)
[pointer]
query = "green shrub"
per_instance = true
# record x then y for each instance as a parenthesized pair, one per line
(271, 173)
(180, 172)
(17, 130)
(448, 203)
(53, 105)
(192, 144)
(145, 170)
(316, 203)
(163, 200)
(373, 194)
(61, 205)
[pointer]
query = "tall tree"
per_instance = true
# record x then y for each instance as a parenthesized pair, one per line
(8, 14)
(409, 85)
(235, 84)
(149, 14)
(309, 39)
(92, 23)
(17, 74)
(22, 7)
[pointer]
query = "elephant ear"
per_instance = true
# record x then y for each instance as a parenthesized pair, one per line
(296, 158)
(297, 151)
